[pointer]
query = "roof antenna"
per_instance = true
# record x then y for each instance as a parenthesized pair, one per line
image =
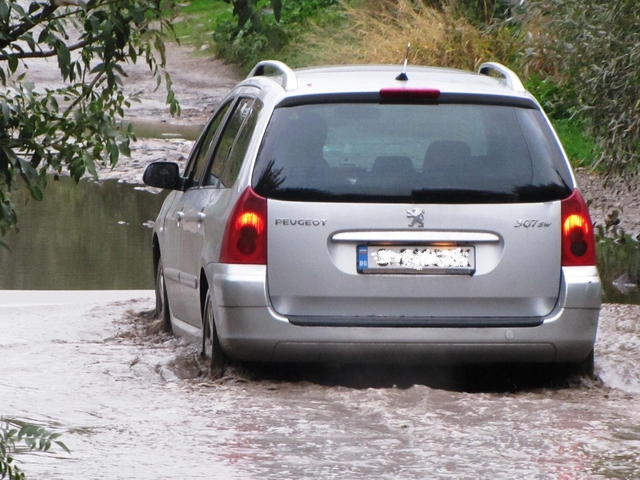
(403, 76)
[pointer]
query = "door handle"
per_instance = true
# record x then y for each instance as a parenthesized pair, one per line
(180, 215)
(201, 216)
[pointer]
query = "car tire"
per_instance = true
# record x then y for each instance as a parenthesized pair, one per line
(582, 369)
(585, 368)
(210, 338)
(162, 302)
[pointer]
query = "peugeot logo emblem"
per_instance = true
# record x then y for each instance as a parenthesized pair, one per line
(417, 217)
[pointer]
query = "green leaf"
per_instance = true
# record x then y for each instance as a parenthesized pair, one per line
(64, 58)
(91, 165)
(62, 446)
(28, 170)
(36, 193)
(4, 12)
(100, 67)
(114, 152)
(6, 111)
(125, 149)
(13, 63)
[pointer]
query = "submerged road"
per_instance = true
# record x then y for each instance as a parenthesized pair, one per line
(132, 403)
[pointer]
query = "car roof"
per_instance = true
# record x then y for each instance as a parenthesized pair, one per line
(373, 78)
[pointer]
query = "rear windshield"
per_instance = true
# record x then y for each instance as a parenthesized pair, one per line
(444, 153)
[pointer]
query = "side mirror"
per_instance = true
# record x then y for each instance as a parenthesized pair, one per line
(163, 175)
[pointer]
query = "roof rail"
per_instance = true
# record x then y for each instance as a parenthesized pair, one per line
(286, 78)
(510, 78)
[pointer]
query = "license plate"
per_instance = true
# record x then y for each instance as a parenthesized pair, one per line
(431, 259)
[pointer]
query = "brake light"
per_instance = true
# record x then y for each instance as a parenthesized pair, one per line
(245, 236)
(578, 241)
(409, 93)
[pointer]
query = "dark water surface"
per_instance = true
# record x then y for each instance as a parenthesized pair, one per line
(619, 268)
(81, 237)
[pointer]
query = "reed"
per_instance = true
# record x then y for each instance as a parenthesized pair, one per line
(377, 31)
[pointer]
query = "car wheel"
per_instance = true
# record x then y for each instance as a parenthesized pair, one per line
(211, 342)
(583, 369)
(162, 303)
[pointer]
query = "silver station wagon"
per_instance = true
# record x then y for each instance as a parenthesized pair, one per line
(364, 214)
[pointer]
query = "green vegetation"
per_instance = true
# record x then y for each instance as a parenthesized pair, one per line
(579, 58)
(200, 19)
(17, 436)
(560, 104)
(246, 31)
(269, 31)
(73, 127)
(592, 48)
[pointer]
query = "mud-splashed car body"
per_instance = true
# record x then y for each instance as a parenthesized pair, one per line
(346, 214)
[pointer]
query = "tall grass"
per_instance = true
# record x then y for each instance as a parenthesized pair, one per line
(377, 31)
(593, 48)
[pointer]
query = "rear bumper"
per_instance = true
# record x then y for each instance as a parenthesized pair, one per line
(250, 330)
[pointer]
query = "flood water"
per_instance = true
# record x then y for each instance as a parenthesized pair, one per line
(619, 268)
(134, 404)
(89, 236)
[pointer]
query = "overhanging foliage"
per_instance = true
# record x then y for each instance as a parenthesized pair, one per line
(17, 435)
(592, 47)
(76, 126)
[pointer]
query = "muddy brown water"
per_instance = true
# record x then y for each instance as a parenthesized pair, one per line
(135, 404)
(94, 235)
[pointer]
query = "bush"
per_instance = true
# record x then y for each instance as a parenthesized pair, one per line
(561, 105)
(592, 47)
(258, 29)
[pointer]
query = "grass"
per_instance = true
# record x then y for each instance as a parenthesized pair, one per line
(580, 148)
(199, 19)
(377, 31)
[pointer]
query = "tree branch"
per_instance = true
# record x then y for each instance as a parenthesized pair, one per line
(27, 25)
(85, 91)
(43, 54)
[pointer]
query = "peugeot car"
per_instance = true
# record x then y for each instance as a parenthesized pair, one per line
(363, 214)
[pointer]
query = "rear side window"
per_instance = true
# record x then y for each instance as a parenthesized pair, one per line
(198, 162)
(445, 153)
(233, 143)
(249, 113)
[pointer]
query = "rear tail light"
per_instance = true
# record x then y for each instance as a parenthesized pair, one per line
(578, 241)
(245, 237)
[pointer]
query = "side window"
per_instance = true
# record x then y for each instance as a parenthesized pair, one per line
(232, 168)
(198, 161)
(226, 142)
